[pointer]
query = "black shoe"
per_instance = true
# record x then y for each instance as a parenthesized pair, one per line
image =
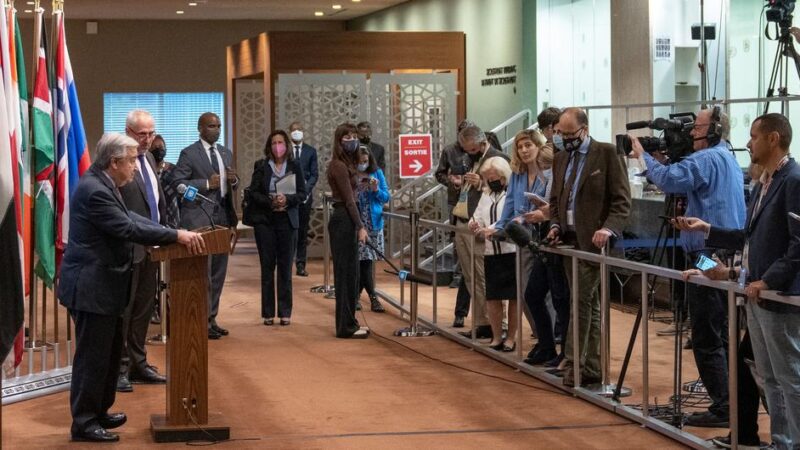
(498, 346)
(147, 375)
(538, 356)
(124, 384)
(358, 306)
(706, 419)
(375, 305)
(219, 330)
(285, 321)
(113, 420)
(555, 362)
(688, 344)
(455, 282)
(509, 348)
(269, 322)
(482, 332)
(213, 334)
(301, 270)
(98, 434)
(458, 322)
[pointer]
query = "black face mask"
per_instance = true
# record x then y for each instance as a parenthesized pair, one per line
(159, 153)
(496, 186)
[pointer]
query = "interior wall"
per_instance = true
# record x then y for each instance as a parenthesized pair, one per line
(494, 31)
(630, 32)
(155, 56)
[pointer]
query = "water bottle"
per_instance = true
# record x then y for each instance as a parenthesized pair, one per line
(742, 277)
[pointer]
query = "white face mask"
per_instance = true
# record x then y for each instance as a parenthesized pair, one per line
(297, 135)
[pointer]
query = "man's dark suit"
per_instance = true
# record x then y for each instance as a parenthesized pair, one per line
(602, 200)
(194, 169)
(379, 153)
(307, 160)
(94, 286)
(144, 278)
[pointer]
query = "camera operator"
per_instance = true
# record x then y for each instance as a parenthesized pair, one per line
(712, 181)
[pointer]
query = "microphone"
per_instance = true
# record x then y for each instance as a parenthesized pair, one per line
(190, 193)
(637, 125)
(404, 275)
(520, 235)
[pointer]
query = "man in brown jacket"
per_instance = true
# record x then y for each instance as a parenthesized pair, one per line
(589, 203)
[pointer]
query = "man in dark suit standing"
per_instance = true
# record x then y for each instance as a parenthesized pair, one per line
(306, 156)
(145, 197)
(95, 276)
(770, 242)
(364, 130)
(589, 203)
(207, 166)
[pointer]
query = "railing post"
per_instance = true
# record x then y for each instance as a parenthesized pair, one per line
(414, 329)
(325, 287)
(733, 376)
(645, 344)
(575, 322)
(434, 271)
(520, 299)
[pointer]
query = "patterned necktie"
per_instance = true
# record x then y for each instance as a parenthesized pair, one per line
(214, 163)
(148, 187)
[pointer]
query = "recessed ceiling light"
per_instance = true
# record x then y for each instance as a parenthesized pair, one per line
(28, 11)
(356, 1)
(337, 6)
(192, 3)
(179, 12)
(30, 3)
(319, 13)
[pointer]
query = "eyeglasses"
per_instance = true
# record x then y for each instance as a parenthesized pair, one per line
(569, 134)
(143, 134)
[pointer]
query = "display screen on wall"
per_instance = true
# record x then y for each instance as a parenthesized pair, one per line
(175, 114)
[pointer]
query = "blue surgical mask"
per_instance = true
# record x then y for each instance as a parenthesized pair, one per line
(350, 146)
(363, 167)
(558, 142)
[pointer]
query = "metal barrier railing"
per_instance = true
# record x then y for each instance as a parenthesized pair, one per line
(598, 397)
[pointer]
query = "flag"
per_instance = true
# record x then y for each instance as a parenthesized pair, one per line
(21, 133)
(42, 122)
(72, 151)
(11, 287)
(8, 134)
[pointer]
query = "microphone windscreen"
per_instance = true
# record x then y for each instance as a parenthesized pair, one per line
(637, 125)
(518, 233)
(181, 188)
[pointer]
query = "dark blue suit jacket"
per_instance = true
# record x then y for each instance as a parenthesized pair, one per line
(261, 209)
(95, 274)
(310, 167)
(773, 236)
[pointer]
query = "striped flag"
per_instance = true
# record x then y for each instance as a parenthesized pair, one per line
(71, 147)
(21, 134)
(42, 122)
(12, 293)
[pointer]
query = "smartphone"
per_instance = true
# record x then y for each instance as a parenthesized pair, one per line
(537, 199)
(705, 263)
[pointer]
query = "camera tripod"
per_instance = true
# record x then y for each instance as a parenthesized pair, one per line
(780, 66)
(666, 232)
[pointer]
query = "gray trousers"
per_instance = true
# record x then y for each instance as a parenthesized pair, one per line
(217, 269)
(136, 320)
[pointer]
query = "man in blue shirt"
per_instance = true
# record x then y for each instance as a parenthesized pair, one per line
(712, 181)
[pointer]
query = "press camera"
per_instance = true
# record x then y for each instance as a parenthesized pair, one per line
(675, 142)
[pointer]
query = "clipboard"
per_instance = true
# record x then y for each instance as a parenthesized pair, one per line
(286, 185)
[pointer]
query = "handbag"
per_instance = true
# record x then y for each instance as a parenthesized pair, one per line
(247, 205)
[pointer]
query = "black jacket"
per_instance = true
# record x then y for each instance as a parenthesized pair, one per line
(773, 236)
(95, 274)
(261, 208)
(135, 196)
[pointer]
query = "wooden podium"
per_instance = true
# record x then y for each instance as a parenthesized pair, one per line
(187, 417)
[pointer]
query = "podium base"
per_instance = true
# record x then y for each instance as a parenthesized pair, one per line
(214, 430)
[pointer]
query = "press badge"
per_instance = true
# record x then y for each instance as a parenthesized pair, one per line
(570, 218)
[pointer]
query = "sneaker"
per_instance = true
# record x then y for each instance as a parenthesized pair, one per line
(706, 419)
(458, 322)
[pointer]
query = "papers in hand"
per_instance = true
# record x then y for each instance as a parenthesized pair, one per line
(286, 185)
(536, 199)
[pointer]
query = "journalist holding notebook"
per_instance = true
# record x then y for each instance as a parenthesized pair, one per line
(276, 191)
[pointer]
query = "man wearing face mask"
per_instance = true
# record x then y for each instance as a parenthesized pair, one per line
(477, 149)
(306, 155)
(589, 203)
(207, 166)
(547, 120)
(145, 197)
(364, 130)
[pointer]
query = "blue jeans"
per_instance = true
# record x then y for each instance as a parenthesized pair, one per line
(776, 346)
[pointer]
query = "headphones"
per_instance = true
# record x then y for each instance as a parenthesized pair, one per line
(714, 133)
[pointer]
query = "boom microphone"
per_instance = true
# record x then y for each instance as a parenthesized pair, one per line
(520, 236)
(404, 275)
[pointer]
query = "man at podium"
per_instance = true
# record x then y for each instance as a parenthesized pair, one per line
(95, 279)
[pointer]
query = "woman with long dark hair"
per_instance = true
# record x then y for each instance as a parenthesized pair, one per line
(276, 190)
(345, 229)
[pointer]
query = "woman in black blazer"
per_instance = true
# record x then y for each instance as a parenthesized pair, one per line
(275, 219)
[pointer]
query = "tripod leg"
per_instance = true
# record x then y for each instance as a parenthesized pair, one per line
(628, 353)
